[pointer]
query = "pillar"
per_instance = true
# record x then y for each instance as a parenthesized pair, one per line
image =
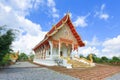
(59, 48)
(72, 46)
(51, 48)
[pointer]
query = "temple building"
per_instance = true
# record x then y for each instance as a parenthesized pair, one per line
(59, 43)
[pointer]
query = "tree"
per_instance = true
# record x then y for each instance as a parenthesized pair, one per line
(31, 56)
(115, 58)
(95, 58)
(7, 36)
(81, 56)
(6, 60)
(23, 57)
(104, 59)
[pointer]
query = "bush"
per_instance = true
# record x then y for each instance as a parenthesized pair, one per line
(23, 57)
(115, 60)
(104, 59)
(5, 61)
(31, 57)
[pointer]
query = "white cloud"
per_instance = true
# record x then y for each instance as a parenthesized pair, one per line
(104, 16)
(81, 22)
(27, 42)
(53, 11)
(88, 50)
(20, 7)
(12, 14)
(94, 42)
(108, 48)
(37, 3)
(102, 6)
(101, 14)
(90, 47)
(112, 47)
(51, 3)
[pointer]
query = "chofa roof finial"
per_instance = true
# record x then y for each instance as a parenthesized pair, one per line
(68, 13)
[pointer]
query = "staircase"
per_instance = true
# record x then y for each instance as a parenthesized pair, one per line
(77, 64)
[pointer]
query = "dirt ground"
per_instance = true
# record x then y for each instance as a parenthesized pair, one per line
(99, 72)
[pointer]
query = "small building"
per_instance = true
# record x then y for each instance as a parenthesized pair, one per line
(58, 43)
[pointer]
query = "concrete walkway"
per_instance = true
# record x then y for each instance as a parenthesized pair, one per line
(113, 77)
(28, 71)
(23, 65)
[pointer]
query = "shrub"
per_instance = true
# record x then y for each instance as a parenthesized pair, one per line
(31, 57)
(23, 57)
(6, 60)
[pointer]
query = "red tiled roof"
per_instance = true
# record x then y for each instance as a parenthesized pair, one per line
(67, 20)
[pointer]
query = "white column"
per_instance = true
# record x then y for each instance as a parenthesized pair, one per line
(59, 48)
(51, 48)
(42, 53)
(72, 46)
(46, 53)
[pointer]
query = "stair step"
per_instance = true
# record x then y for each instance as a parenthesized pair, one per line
(77, 64)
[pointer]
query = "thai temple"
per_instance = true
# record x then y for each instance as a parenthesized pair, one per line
(59, 45)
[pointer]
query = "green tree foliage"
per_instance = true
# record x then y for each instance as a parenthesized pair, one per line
(115, 60)
(95, 58)
(6, 60)
(7, 36)
(81, 56)
(31, 56)
(23, 57)
(104, 59)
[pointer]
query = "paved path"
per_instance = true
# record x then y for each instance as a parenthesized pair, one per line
(23, 64)
(32, 73)
(99, 72)
(28, 71)
(114, 77)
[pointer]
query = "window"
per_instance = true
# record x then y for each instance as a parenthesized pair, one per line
(61, 53)
(49, 53)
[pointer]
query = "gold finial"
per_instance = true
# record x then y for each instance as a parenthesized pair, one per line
(68, 13)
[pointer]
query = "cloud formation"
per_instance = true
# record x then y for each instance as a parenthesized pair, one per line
(102, 14)
(112, 47)
(12, 14)
(109, 47)
(54, 12)
(90, 47)
(81, 21)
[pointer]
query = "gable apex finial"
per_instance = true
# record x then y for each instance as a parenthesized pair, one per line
(68, 13)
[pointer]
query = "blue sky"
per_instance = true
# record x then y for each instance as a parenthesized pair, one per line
(97, 22)
(96, 26)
